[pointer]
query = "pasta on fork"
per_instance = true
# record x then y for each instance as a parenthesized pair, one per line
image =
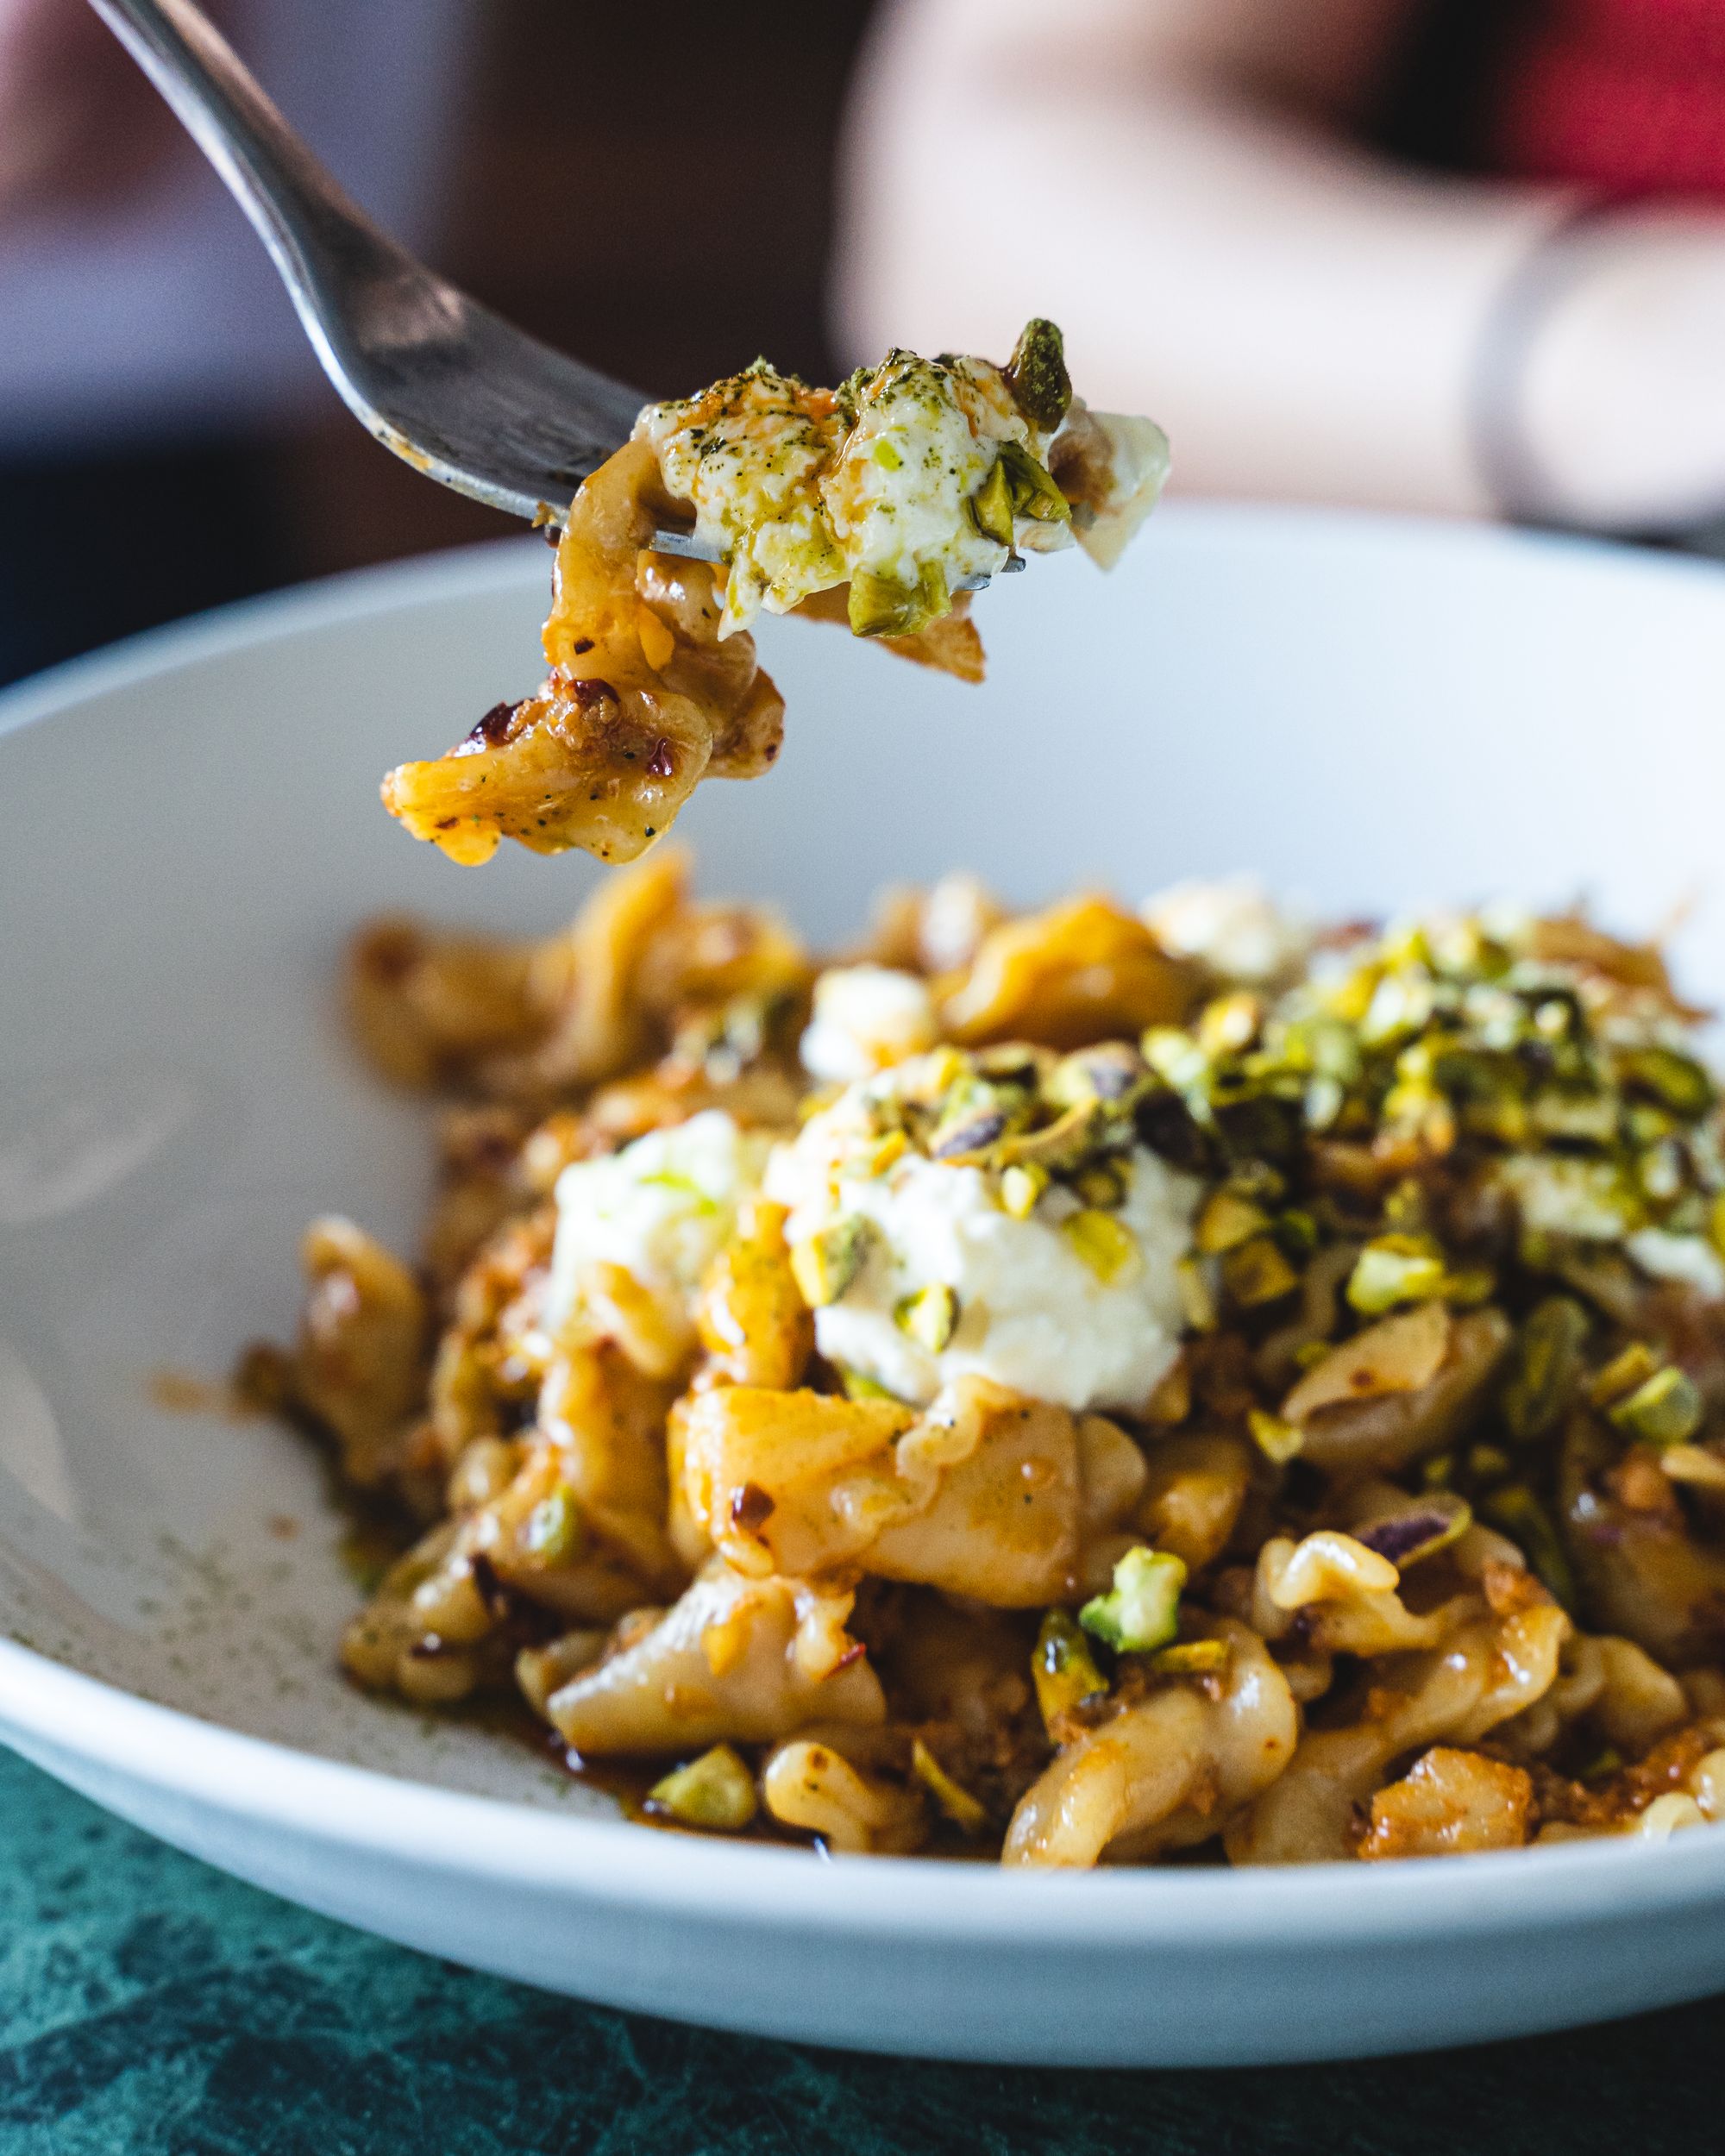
(882, 504)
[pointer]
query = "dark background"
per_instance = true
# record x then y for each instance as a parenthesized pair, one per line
(649, 188)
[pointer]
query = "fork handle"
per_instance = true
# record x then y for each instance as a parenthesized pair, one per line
(317, 234)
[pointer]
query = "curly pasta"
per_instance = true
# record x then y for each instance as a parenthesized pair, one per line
(1357, 1492)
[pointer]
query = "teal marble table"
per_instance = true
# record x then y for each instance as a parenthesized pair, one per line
(150, 2007)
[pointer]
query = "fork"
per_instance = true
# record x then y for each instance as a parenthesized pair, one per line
(459, 393)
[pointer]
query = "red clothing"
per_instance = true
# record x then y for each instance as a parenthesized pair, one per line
(1625, 95)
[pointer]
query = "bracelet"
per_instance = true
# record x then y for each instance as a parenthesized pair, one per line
(1518, 486)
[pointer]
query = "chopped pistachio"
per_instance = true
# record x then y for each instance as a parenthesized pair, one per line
(954, 1800)
(1101, 1185)
(1547, 1366)
(1694, 1464)
(991, 506)
(1439, 1471)
(881, 606)
(1226, 1220)
(1406, 1538)
(1191, 1658)
(1519, 1514)
(1228, 1024)
(1059, 1147)
(1277, 1440)
(1063, 1668)
(1034, 492)
(1036, 374)
(1105, 1246)
(825, 1265)
(1666, 1410)
(1396, 1269)
(1677, 1082)
(1197, 1296)
(1295, 1232)
(857, 1386)
(1627, 1371)
(1488, 1463)
(552, 1529)
(1171, 1402)
(715, 1792)
(1021, 1184)
(1257, 1272)
(1141, 1609)
(930, 1317)
(891, 1149)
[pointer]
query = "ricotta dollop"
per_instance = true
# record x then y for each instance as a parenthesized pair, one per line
(662, 1208)
(1033, 1313)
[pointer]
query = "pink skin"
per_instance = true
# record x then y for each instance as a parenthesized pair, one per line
(79, 126)
(1180, 184)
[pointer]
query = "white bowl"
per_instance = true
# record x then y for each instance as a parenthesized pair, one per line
(1373, 712)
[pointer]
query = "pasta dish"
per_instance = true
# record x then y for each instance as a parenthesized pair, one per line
(1097, 1385)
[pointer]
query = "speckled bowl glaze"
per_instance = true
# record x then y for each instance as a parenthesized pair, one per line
(1368, 712)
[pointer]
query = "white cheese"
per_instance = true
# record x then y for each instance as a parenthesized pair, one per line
(864, 1017)
(1232, 926)
(1033, 1315)
(1690, 1259)
(662, 1208)
(1560, 1196)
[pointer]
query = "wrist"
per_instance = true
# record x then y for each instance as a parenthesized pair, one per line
(1595, 397)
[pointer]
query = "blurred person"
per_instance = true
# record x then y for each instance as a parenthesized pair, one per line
(147, 350)
(1458, 255)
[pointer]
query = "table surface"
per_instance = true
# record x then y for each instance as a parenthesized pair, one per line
(149, 2005)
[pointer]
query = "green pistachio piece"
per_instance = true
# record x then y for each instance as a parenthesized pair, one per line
(857, 1386)
(715, 1792)
(1630, 1367)
(552, 1529)
(1547, 1366)
(1675, 1081)
(1666, 1410)
(1036, 374)
(1020, 1188)
(991, 506)
(1034, 492)
(1141, 1610)
(1257, 1272)
(1407, 1537)
(1277, 1440)
(1519, 1514)
(1227, 1221)
(1396, 1269)
(881, 606)
(953, 1798)
(1063, 1667)
(930, 1317)
(825, 1264)
(1191, 1658)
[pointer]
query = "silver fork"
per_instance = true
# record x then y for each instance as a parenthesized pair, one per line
(459, 393)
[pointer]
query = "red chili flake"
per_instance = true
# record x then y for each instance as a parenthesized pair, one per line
(661, 764)
(490, 732)
(590, 694)
(583, 645)
(750, 1508)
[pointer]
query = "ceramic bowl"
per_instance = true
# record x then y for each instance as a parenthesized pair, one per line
(1369, 713)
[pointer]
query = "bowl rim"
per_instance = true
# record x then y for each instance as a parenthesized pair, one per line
(513, 1844)
(112, 1732)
